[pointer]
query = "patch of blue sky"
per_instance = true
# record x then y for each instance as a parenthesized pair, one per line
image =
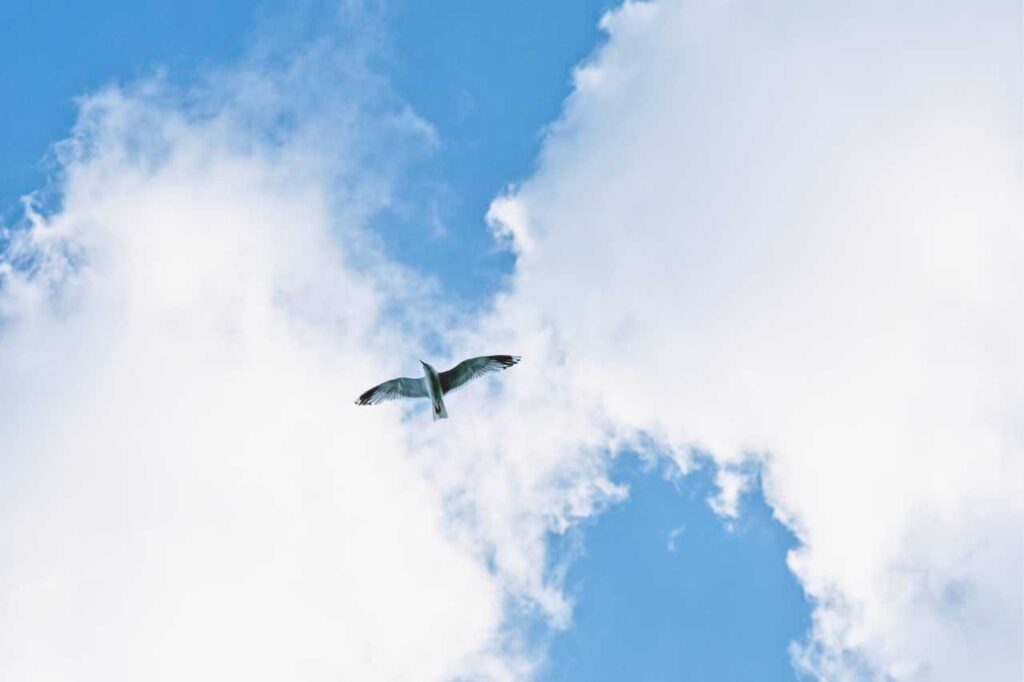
(52, 52)
(489, 76)
(664, 591)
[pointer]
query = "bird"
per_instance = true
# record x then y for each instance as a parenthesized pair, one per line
(435, 385)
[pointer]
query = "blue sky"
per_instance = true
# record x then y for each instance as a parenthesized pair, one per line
(53, 54)
(738, 230)
(666, 594)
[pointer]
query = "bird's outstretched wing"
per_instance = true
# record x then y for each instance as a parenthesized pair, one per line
(403, 387)
(467, 370)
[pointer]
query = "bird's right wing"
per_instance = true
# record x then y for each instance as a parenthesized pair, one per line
(467, 370)
(393, 390)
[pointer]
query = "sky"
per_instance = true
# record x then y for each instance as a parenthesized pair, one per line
(761, 261)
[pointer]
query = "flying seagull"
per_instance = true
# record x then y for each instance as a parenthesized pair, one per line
(434, 385)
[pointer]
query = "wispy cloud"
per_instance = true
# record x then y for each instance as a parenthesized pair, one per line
(188, 491)
(673, 538)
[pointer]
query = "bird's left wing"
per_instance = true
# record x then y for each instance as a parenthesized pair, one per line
(467, 370)
(403, 387)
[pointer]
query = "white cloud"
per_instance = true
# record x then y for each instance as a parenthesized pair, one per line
(510, 224)
(189, 492)
(796, 230)
(673, 538)
(731, 483)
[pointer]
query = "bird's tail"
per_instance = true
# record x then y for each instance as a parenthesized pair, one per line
(440, 411)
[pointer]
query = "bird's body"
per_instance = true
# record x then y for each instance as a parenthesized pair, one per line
(434, 385)
(433, 381)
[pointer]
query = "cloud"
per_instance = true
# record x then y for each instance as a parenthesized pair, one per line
(189, 492)
(673, 538)
(186, 316)
(791, 235)
(731, 484)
